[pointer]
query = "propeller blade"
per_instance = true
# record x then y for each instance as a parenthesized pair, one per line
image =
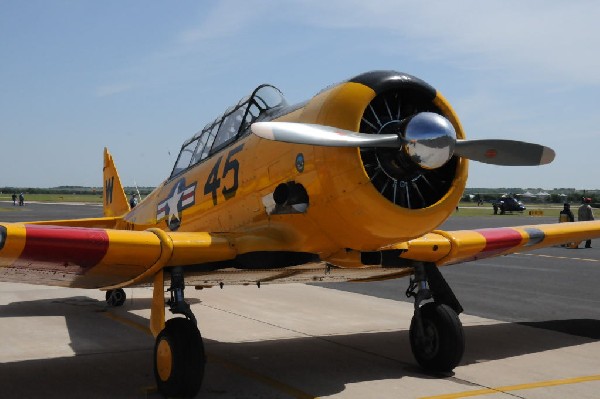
(303, 133)
(430, 142)
(504, 152)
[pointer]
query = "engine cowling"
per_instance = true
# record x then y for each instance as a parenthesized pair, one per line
(392, 197)
(394, 172)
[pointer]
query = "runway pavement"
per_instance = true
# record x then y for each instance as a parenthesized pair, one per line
(531, 322)
(47, 211)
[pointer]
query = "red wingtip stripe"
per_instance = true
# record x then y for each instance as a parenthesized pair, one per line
(498, 240)
(61, 246)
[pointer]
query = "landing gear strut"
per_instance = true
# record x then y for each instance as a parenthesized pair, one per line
(436, 334)
(179, 357)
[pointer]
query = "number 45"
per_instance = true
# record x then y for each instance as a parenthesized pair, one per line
(214, 182)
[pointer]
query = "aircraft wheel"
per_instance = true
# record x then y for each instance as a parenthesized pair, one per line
(116, 297)
(179, 359)
(442, 344)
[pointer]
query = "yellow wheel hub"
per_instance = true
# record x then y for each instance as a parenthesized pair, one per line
(164, 360)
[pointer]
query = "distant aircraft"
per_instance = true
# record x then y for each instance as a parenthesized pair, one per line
(350, 185)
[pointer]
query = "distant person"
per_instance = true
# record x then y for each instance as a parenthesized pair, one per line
(133, 201)
(21, 199)
(14, 198)
(584, 214)
(566, 215)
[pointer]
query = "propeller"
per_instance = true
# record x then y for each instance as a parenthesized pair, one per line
(427, 137)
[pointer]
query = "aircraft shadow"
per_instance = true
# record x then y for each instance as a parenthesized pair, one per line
(113, 359)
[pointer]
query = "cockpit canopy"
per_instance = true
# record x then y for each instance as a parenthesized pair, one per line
(229, 127)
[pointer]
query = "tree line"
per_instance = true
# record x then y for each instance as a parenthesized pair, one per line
(77, 190)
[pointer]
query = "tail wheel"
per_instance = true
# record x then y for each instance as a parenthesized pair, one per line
(179, 359)
(391, 170)
(440, 345)
(116, 297)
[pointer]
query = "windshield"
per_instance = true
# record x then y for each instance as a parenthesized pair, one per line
(232, 125)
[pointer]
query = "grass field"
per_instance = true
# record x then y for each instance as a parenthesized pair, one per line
(91, 198)
(470, 209)
(465, 208)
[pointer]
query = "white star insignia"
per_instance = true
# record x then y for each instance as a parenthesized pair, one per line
(173, 202)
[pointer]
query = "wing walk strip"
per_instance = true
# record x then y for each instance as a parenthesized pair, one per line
(280, 386)
(519, 387)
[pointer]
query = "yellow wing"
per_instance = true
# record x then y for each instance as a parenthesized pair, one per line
(449, 247)
(98, 257)
(105, 258)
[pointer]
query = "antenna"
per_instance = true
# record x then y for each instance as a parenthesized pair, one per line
(136, 189)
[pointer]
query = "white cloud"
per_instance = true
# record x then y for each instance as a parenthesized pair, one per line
(227, 19)
(552, 39)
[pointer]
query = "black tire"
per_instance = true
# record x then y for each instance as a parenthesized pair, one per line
(116, 297)
(502, 210)
(443, 345)
(179, 359)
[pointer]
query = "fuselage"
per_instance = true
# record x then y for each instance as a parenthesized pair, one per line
(244, 208)
(235, 190)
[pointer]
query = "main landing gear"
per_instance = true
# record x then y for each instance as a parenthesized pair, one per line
(179, 357)
(436, 333)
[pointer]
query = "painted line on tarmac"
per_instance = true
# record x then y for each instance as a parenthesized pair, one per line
(278, 385)
(287, 389)
(558, 257)
(519, 387)
(128, 322)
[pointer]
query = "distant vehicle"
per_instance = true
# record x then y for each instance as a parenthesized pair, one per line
(507, 204)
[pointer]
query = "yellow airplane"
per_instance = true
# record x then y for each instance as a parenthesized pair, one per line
(350, 185)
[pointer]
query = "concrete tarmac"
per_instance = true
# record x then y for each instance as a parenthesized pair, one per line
(305, 341)
(47, 211)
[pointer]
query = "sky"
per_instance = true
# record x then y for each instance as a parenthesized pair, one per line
(142, 76)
